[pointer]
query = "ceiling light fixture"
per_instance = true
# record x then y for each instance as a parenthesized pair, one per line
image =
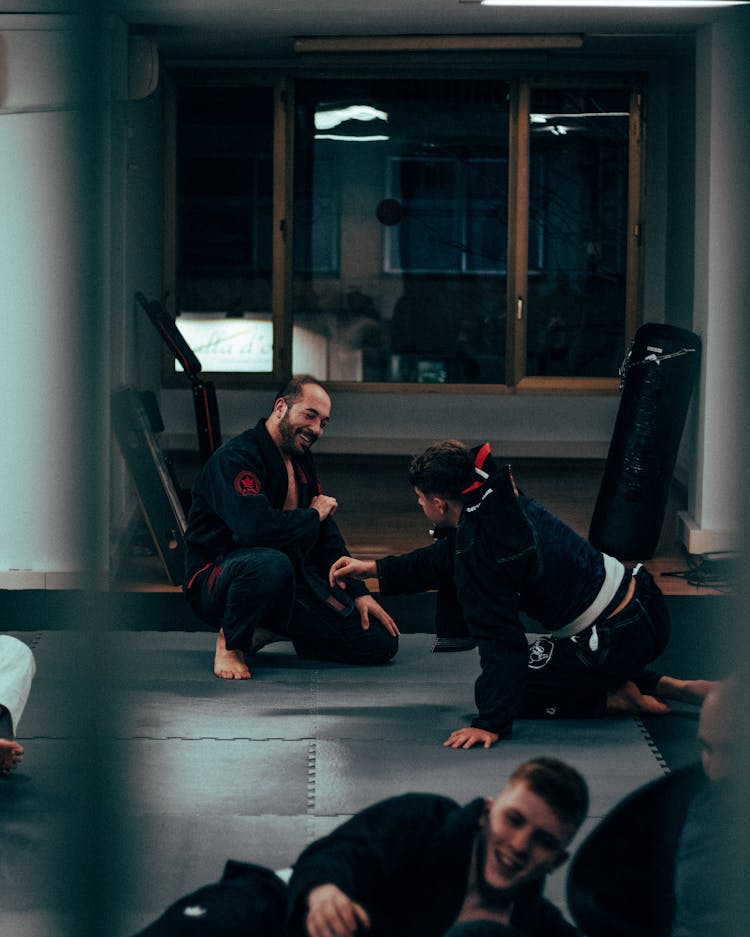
(632, 4)
(514, 42)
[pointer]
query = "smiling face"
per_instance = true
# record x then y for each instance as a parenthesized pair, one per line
(298, 426)
(525, 839)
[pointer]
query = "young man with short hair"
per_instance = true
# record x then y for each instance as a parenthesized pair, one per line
(414, 865)
(603, 623)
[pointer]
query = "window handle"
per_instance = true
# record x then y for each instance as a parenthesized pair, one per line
(519, 308)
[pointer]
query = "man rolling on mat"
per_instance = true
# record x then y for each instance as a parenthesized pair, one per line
(602, 623)
(414, 865)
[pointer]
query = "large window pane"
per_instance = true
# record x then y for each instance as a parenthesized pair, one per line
(400, 229)
(224, 167)
(578, 199)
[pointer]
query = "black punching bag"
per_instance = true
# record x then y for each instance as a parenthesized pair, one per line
(658, 375)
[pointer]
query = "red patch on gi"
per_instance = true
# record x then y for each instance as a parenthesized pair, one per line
(247, 483)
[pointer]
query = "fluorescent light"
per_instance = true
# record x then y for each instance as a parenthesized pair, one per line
(373, 138)
(328, 118)
(632, 4)
(545, 118)
(427, 43)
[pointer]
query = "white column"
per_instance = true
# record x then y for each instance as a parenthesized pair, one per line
(722, 288)
(50, 387)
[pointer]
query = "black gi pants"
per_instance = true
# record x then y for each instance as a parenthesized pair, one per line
(249, 901)
(571, 677)
(260, 588)
(568, 677)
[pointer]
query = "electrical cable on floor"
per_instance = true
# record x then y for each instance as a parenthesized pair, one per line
(709, 570)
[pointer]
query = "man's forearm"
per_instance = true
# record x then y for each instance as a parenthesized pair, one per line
(499, 689)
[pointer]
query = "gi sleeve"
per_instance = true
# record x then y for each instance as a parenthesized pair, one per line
(498, 691)
(495, 564)
(235, 487)
(377, 846)
(329, 547)
(418, 571)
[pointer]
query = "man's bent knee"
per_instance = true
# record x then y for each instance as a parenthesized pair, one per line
(376, 647)
(269, 570)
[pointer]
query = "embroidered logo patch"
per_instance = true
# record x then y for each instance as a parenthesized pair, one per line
(247, 483)
(540, 653)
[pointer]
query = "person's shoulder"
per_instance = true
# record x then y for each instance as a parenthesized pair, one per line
(422, 799)
(248, 442)
(419, 808)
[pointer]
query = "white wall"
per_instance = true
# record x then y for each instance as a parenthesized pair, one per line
(722, 280)
(398, 423)
(49, 378)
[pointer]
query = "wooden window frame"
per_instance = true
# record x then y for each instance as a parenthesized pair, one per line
(518, 194)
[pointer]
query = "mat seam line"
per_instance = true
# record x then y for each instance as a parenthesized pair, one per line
(649, 739)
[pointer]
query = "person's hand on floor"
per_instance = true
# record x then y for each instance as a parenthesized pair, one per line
(467, 738)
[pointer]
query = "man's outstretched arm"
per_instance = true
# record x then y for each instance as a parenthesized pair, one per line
(498, 693)
(347, 566)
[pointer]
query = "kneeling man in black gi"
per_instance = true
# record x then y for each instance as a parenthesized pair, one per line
(416, 865)
(261, 538)
(508, 555)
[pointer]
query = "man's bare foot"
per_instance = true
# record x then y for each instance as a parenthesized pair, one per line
(684, 691)
(11, 753)
(629, 699)
(262, 637)
(229, 665)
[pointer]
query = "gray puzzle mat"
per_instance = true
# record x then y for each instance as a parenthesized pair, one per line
(179, 770)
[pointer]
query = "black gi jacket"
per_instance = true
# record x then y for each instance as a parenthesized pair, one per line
(406, 860)
(238, 501)
(509, 556)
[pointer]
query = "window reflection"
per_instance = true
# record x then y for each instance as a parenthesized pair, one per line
(577, 232)
(401, 227)
(224, 205)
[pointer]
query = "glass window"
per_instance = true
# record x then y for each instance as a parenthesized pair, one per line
(224, 180)
(400, 228)
(578, 222)
(383, 245)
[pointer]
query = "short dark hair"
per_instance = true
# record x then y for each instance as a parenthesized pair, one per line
(560, 785)
(445, 469)
(294, 387)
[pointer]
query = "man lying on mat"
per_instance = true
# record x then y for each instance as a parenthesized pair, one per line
(603, 623)
(259, 542)
(414, 865)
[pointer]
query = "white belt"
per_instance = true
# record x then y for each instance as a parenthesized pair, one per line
(613, 575)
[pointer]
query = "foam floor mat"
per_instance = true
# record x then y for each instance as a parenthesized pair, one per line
(144, 768)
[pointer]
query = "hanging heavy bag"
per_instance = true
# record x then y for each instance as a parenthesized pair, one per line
(657, 379)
